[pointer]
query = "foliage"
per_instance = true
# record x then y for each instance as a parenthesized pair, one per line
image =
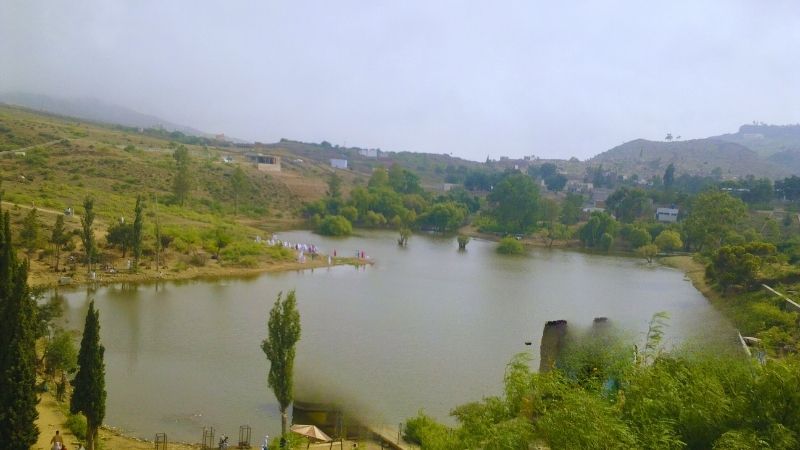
(137, 234)
(463, 240)
(29, 235)
(240, 184)
(637, 236)
(58, 238)
(738, 264)
(89, 396)
(283, 332)
(121, 235)
(592, 233)
(87, 232)
(713, 214)
(628, 204)
(647, 252)
(514, 204)
(510, 246)
(335, 226)
(444, 216)
(76, 424)
(18, 400)
(182, 183)
(571, 209)
(60, 354)
(669, 241)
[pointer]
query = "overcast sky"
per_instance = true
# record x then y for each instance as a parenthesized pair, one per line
(552, 79)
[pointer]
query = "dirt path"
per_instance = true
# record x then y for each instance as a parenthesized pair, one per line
(51, 419)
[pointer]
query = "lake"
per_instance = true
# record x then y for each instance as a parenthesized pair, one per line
(425, 327)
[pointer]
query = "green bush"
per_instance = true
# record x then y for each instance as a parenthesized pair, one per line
(510, 246)
(76, 423)
(279, 253)
(335, 226)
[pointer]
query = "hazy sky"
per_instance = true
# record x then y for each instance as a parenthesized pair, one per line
(553, 79)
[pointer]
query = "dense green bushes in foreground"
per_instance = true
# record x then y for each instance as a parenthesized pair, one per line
(600, 398)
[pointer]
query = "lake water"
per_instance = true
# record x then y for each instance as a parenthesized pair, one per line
(424, 327)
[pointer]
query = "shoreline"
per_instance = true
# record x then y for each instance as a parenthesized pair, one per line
(112, 437)
(41, 279)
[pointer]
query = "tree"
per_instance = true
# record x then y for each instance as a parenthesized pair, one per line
(647, 252)
(137, 233)
(669, 241)
(222, 238)
(120, 235)
(444, 216)
(87, 233)
(18, 430)
(571, 209)
(89, 396)
(182, 182)
(61, 353)
(738, 264)
(627, 204)
(713, 214)
(515, 204)
(463, 240)
(283, 332)
(556, 182)
(239, 186)
(334, 186)
(669, 176)
(599, 225)
(29, 235)
(58, 238)
(335, 226)
(510, 246)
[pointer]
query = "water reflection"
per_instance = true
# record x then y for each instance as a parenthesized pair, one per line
(424, 327)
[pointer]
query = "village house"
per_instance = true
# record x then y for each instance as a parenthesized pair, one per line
(667, 215)
(339, 163)
(265, 163)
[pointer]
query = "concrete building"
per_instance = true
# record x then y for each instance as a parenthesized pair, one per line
(369, 152)
(667, 215)
(265, 163)
(339, 163)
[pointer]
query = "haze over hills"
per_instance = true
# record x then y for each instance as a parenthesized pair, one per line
(701, 157)
(94, 110)
(761, 150)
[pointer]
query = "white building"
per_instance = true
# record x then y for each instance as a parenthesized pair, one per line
(339, 163)
(667, 214)
(369, 152)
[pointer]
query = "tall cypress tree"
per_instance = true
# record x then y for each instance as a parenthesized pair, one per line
(18, 430)
(89, 396)
(137, 233)
(87, 233)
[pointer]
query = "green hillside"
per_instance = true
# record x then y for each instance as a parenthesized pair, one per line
(703, 157)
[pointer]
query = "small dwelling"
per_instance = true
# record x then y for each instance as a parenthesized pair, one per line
(369, 152)
(265, 163)
(667, 214)
(339, 163)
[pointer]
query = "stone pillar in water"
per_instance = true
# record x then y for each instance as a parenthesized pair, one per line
(553, 337)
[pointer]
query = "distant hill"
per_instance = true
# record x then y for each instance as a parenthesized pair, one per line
(94, 110)
(779, 144)
(703, 157)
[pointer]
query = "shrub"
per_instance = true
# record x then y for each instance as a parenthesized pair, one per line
(279, 253)
(335, 226)
(669, 241)
(76, 423)
(510, 246)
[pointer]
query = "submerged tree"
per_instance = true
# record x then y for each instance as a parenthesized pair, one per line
(18, 430)
(283, 328)
(89, 396)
